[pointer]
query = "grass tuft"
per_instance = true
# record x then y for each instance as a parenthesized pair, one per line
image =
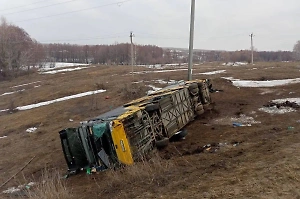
(51, 187)
(152, 171)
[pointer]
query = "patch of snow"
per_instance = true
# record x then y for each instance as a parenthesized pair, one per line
(141, 81)
(163, 66)
(229, 78)
(242, 63)
(266, 91)
(236, 124)
(235, 64)
(157, 66)
(296, 100)
(171, 81)
(19, 188)
(158, 71)
(9, 93)
(37, 86)
(275, 110)
(51, 65)
(31, 183)
(269, 83)
(269, 68)
(212, 72)
(245, 120)
(160, 81)
(63, 70)
(31, 130)
(11, 190)
(25, 84)
(31, 106)
(242, 120)
(176, 64)
(154, 89)
(3, 137)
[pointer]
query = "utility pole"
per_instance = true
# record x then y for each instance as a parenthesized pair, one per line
(251, 36)
(192, 25)
(132, 56)
(135, 54)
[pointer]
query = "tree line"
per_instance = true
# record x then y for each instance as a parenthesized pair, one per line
(149, 54)
(104, 54)
(19, 53)
(244, 56)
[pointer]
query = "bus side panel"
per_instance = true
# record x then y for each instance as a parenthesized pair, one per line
(121, 143)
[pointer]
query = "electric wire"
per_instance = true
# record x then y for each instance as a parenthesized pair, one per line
(24, 5)
(40, 7)
(75, 11)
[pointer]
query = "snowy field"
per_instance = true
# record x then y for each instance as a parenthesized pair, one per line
(49, 68)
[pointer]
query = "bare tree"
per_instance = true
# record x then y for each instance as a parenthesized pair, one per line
(296, 51)
(17, 49)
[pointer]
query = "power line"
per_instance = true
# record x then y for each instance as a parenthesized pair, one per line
(24, 5)
(40, 7)
(117, 35)
(85, 39)
(65, 13)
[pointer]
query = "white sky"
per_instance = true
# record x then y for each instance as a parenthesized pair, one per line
(220, 24)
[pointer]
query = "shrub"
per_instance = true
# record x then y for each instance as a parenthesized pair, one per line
(12, 108)
(132, 91)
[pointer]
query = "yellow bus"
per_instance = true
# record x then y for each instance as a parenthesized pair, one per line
(128, 133)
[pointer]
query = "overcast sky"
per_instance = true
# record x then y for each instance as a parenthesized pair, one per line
(219, 24)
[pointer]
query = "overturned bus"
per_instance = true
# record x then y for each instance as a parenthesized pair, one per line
(128, 133)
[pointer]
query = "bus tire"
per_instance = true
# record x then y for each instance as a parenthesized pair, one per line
(152, 107)
(162, 143)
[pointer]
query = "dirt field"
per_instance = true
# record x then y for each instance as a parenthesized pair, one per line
(215, 160)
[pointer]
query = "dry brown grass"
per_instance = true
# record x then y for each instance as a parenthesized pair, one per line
(51, 187)
(146, 171)
(231, 179)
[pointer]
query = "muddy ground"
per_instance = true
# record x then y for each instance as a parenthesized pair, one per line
(216, 159)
